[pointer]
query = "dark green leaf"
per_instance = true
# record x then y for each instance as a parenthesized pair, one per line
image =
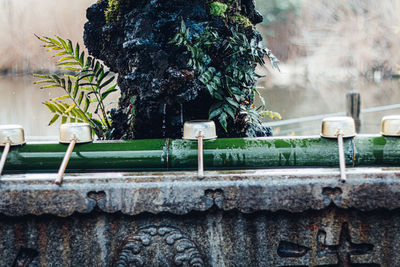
(222, 120)
(77, 52)
(70, 47)
(42, 76)
(105, 94)
(87, 102)
(229, 111)
(61, 106)
(80, 98)
(44, 81)
(54, 119)
(215, 113)
(69, 86)
(63, 43)
(51, 106)
(183, 27)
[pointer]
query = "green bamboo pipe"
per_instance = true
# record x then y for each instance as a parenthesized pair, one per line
(232, 153)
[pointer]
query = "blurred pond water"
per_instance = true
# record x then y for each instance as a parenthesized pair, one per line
(21, 103)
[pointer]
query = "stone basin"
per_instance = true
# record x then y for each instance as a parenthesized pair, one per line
(268, 215)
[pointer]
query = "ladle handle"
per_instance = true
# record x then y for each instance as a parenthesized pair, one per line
(342, 162)
(64, 163)
(200, 161)
(4, 156)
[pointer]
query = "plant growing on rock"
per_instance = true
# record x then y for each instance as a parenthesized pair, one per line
(233, 87)
(86, 82)
(181, 60)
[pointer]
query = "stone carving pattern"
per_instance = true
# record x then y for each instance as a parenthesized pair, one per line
(343, 250)
(158, 246)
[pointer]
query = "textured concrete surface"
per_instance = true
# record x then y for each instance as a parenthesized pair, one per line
(248, 218)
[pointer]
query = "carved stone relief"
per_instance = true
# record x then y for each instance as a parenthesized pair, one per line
(158, 246)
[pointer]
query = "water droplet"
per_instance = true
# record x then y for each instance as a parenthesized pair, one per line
(164, 122)
(182, 119)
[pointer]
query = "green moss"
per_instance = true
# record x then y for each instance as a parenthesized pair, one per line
(242, 20)
(113, 11)
(218, 9)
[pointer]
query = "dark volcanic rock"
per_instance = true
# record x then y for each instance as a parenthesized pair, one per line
(159, 91)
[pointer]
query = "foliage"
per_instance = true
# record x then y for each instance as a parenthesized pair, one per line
(233, 87)
(87, 82)
(218, 9)
(113, 12)
(240, 19)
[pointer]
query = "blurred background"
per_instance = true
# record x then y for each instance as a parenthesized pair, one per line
(326, 48)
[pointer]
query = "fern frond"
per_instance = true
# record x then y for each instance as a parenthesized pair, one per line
(87, 77)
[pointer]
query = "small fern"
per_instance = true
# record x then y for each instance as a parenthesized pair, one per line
(87, 82)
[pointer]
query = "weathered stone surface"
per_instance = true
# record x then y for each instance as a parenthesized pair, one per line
(294, 190)
(330, 237)
(298, 217)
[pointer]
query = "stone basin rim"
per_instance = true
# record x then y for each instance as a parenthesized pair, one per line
(292, 190)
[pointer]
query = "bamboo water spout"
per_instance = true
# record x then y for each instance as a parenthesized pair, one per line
(224, 153)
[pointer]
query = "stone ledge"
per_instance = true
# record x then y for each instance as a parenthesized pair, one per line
(294, 190)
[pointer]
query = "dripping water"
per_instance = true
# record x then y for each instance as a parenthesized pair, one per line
(182, 119)
(164, 121)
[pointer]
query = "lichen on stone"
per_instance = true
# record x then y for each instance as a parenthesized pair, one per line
(243, 20)
(113, 12)
(218, 9)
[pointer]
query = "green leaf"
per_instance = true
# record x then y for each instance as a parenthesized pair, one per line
(69, 64)
(229, 111)
(64, 119)
(222, 120)
(173, 41)
(75, 93)
(64, 59)
(56, 78)
(81, 115)
(44, 81)
(70, 47)
(42, 76)
(60, 98)
(69, 86)
(80, 98)
(82, 59)
(49, 86)
(54, 48)
(70, 68)
(107, 82)
(183, 27)
(62, 53)
(232, 102)
(215, 113)
(61, 106)
(77, 51)
(54, 41)
(51, 106)
(217, 80)
(69, 108)
(54, 119)
(63, 43)
(87, 102)
(105, 94)
(71, 76)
